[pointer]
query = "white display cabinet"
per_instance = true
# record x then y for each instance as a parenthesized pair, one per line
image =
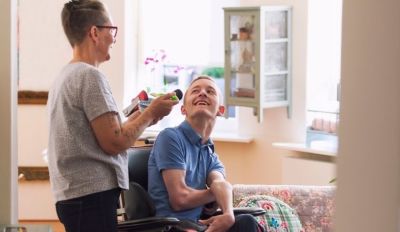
(258, 57)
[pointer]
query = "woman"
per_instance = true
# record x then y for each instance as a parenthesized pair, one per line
(87, 140)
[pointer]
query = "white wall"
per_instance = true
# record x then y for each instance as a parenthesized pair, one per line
(311, 170)
(44, 48)
(368, 197)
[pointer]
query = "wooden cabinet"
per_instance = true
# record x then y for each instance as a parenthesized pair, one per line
(258, 57)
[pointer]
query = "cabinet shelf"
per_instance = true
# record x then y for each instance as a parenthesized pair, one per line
(276, 104)
(242, 40)
(276, 73)
(258, 57)
(282, 40)
(249, 74)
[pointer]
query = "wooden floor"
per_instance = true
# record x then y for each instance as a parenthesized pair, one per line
(56, 225)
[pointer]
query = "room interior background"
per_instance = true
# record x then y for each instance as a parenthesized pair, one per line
(364, 63)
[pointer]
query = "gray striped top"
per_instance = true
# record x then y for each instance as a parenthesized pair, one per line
(77, 164)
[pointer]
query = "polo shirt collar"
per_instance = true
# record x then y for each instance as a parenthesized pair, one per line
(193, 136)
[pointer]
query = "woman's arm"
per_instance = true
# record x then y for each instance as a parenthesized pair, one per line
(114, 137)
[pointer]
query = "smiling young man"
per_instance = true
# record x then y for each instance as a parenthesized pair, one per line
(184, 171)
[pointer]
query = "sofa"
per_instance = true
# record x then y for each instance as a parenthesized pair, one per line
(314, 205)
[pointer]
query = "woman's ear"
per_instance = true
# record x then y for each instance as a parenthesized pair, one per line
(94, 33)
(221, 110)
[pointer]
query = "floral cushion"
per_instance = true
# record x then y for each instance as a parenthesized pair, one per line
(279, 216)
(313, 204)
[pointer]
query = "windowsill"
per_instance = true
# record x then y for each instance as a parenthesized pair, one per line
(301, 147)
(220, 137)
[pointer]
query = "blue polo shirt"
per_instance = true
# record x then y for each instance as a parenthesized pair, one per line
(180, 148)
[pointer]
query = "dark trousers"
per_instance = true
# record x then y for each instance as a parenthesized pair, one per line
(94, 212)
(243, 223)
(246, 222)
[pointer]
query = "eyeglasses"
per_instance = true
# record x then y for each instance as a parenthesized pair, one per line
(113, 29)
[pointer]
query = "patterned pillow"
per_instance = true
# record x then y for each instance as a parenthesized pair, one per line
(279, 216)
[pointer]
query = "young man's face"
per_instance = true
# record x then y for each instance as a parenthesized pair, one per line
(202, 99)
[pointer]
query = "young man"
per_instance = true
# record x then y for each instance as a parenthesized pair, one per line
(184, 171)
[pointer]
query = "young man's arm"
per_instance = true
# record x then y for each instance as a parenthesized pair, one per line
(222, 191)
(181, 196)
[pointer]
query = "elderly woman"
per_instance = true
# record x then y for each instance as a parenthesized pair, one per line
(87, 140)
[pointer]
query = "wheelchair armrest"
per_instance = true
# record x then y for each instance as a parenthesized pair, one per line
(147, 223)
(161, 223)
(255, 211)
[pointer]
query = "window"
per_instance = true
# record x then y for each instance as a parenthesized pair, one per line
(324, 57)
(179, 40)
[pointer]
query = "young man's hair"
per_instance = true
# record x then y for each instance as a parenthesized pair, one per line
(201, 77)
(78, 16)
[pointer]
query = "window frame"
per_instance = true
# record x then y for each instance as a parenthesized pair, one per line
(223, 125)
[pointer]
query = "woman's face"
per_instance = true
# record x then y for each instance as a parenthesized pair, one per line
(107, 34)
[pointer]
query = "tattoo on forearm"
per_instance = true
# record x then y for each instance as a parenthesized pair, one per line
(130, 133)
(114, 124)
(133, 129)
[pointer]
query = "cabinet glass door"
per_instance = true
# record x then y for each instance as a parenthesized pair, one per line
(275, 51)
(242, 55)
(258, 57)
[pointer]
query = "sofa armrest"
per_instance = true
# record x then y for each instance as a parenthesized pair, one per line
(284, 192)
(313, 204)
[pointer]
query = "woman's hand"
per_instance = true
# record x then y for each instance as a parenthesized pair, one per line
(161, 106)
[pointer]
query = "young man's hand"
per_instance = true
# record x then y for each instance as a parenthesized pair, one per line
(220, 223)
(210, 208)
